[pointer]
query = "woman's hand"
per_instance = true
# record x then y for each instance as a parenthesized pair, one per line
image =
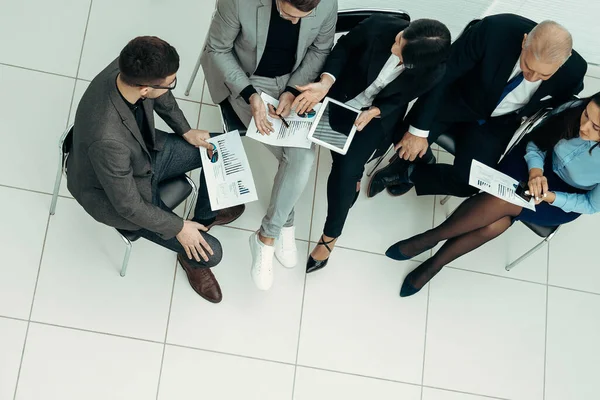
(538, 185)
(365, 117)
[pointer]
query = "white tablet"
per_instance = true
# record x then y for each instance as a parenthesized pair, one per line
(334, 126)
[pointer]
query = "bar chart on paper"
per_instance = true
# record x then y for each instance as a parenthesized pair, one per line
(228, 176)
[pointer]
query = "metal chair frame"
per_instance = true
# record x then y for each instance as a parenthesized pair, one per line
(62, 170)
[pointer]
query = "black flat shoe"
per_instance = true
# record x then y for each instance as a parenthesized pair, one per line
(313, 265)
(395, 254)
(407, 288)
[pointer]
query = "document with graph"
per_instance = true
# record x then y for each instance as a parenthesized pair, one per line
(228, 176)
(497, 184)
(294, 135)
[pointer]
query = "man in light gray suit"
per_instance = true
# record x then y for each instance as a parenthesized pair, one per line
(270, 46)
(118, 158)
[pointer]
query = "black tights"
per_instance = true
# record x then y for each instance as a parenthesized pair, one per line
(475, 222)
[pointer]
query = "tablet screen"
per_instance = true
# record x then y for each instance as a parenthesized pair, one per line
(335, 125)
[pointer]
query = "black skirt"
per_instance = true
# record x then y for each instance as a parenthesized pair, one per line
(545, 214)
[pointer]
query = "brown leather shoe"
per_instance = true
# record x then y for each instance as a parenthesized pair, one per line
(228, 215)
(202, 280)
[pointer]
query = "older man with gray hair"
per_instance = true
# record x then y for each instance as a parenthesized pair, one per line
(501, 69)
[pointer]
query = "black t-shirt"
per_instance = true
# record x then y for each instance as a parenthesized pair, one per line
(279, 56)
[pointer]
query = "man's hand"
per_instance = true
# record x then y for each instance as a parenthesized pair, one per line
(365, 117)
(411, 147)
(285, 105)
(193, 242)
(312, 94)
(259, 112)
(538, 185)
(198, 138)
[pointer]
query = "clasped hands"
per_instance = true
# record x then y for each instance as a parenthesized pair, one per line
(538, 187)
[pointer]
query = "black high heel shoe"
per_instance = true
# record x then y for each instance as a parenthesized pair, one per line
(313, 265)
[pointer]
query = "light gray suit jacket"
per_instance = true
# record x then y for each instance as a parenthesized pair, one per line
(109, 169)
(238, 36)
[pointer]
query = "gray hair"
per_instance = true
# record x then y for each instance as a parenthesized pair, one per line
(550, 42)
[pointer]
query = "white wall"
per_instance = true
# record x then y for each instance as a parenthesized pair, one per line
(581, 17)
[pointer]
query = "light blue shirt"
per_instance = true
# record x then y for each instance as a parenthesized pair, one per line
(574, 164)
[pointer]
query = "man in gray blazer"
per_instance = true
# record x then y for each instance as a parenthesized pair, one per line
(270, 46)
(118, 158)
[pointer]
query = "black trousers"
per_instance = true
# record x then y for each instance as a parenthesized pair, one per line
(176, 158)
(346, 171)
(485, 143)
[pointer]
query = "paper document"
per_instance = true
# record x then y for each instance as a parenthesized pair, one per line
(228, 176)
(497, 184)
(294, 136)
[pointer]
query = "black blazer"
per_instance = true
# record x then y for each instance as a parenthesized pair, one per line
(359, 56)
(481, 61)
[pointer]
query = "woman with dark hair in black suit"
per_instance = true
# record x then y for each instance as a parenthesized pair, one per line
(378, 67)
(561, 164)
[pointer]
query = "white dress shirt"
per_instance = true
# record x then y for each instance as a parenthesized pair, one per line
(390, 71)
(513, 101)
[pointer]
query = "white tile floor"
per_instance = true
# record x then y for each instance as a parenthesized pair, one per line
(71, 328)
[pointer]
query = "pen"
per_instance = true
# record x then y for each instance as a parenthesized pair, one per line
(282, 119)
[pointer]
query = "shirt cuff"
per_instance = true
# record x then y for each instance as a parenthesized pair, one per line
(560, 200)
(247, 93)
(292, 90)
(418, 132)
(534, 161)
(328, 74)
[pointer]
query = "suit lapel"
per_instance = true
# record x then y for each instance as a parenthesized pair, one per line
(306, 25)
(262, 28)
(380, 53)
(125, 113)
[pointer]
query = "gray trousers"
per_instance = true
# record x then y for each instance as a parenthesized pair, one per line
(295, 163)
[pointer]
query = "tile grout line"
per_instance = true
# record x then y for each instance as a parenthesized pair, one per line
(400, 382)
(312, 214)
(546, 319)
(31, 308)
(33, 191)
(48, 221)
(162, 359)
(425, 339)
(13, 318)
(37, 70)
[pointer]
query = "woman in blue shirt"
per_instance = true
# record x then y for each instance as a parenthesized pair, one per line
(561, 164)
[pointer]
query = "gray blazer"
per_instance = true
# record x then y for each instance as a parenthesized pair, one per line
(109, 169)
(238, 36)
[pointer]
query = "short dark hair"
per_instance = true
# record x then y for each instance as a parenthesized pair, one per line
(147, 60)
(427, 43)
(304, 5)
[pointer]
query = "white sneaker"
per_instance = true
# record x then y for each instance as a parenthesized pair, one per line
(262, 263)
(285, 247)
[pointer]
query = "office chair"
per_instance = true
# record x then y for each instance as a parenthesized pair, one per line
(173, 192)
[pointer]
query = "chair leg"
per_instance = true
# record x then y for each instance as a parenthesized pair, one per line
(127, 254)
(444, 200)
(379, 160)
(57, 182)
(526, 255)
(193, 198)
(533, 250)
(193, 77)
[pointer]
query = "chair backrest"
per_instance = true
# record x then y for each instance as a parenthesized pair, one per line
(538, 119)
(348, 19)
